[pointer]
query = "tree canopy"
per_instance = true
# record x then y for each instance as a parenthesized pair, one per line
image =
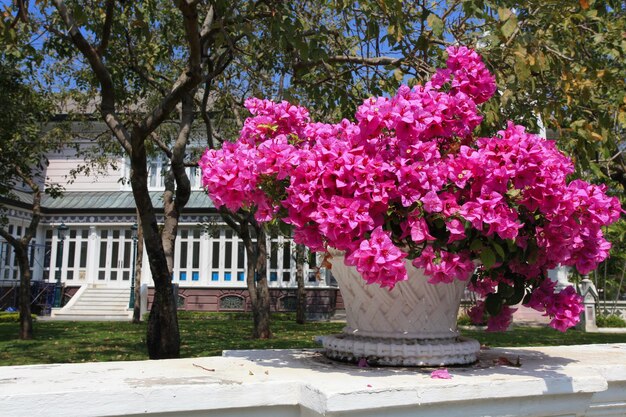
(153, 66)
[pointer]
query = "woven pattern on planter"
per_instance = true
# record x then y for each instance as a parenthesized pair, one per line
(413, 309)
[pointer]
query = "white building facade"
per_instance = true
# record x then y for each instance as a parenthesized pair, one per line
(98, 246)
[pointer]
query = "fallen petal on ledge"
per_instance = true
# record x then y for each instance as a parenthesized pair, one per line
(440, 374)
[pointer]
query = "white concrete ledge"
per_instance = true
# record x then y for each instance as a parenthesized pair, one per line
(585, 380)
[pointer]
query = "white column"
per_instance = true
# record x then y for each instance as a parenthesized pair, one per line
(53, 255)
(92, 258)
(205, 258)
(40, 252)
(146, 274)
(560, 276)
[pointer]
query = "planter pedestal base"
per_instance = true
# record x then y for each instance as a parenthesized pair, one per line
(401, 352)
(412, 325)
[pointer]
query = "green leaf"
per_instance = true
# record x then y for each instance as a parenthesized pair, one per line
(498, 248)
(493, 304)
(522, 70)
(505, 290)
(436, 24)
(285, 229)
(398, 74)
(504, 13)
(509, 27)
(517, 296)
(476, 245)
(488, 257)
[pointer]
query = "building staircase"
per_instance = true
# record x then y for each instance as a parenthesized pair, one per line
(93, 304)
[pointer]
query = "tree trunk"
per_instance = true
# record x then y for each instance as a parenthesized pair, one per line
(138, 266)
(163, 337)
(256, 275)
(26, 321)
(261, 311)
(301, 293)
(20, 246)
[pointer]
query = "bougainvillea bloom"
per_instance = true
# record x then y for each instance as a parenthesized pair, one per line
(407, 179)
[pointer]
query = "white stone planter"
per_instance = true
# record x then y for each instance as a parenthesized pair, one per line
(412, 325)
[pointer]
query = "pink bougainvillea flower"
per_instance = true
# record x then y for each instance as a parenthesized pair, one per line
(440, 374)
(408, 178)
(379, 260)
(564, 307)
(502, 321)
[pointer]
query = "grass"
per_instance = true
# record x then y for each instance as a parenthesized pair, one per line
(209, 334)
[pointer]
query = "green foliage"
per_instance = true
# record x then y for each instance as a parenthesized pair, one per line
(465, 320)
(560, 64)
(6, 317)
(562, 61)
(611, 320)
(24, 138)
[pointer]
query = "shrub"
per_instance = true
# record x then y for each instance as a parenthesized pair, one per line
(610, 320)
(465, 320)
(12, 317)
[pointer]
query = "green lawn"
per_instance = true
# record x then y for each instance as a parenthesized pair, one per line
(209, 334)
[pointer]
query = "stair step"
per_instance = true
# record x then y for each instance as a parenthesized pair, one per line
(98, 304)
(99, 307)
(88, 317)
(91, 312)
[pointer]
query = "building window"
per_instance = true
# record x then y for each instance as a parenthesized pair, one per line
(76, 246)
(115, 257)
(228, 258)
(156, 173)
(158, 168)
(231, 302)
(47, 254)
(8, 260)
(281, 263)
(187, 255)
(288, 303)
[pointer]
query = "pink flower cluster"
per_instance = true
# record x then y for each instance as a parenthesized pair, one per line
(378, 257)
(407, 179)
(563, 307)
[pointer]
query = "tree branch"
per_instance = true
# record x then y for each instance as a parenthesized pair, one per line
(107, 91)
(206, 25)
(31, 229)
(138, 70)
(557, 53)
(376, 61)
(22, 14)
(183, 187)
(188, 80)
(9, 238)
(157, 140)
(231, 219)
(106, 28)
(204, 111)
